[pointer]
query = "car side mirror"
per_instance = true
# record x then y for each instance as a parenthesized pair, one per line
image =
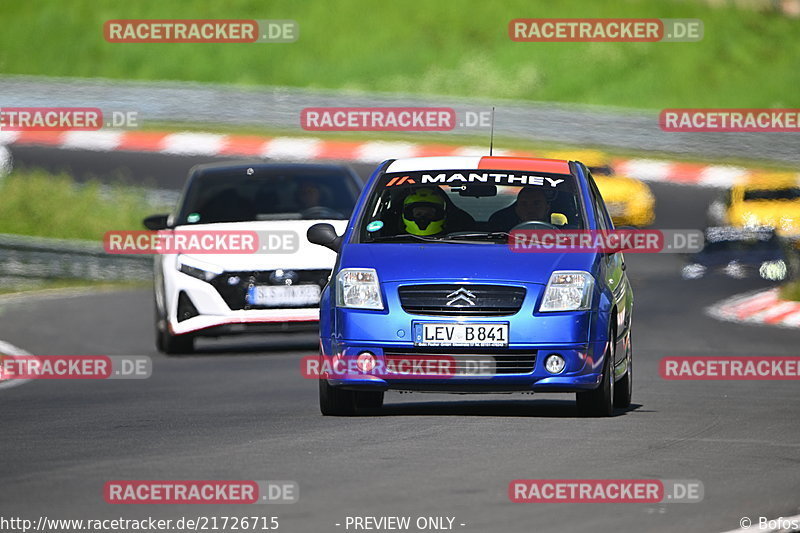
(156, 222)
(325, 235)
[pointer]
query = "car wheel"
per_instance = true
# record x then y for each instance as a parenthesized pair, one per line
(623, 390)
(168, 343)
(600, 401)
(369, 399)
(176, 344)
(334, 401)
(157, 322)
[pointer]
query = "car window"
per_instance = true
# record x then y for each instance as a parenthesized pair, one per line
(238, 197)
(443, 202)
(599, 207)
(788, 193)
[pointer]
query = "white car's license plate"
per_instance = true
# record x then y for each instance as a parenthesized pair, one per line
(283, 295)
(460, 334)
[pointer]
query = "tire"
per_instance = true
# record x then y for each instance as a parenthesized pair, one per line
(334, 401)
(623, 390)
(369, 399)
(600, 401)
(157, 327)
(168, 343)
(176, 344)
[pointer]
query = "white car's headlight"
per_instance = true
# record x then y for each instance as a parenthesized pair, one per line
(358, 288)
(568, 290)
(197, 269)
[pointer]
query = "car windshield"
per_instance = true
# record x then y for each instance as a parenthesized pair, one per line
(236, 196)
(789, 193)
(469, 205)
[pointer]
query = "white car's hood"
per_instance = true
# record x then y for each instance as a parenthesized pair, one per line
(304, 256)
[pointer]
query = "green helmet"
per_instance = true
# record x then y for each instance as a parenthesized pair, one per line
(424, 212)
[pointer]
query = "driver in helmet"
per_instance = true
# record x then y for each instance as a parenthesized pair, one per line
(424, 212)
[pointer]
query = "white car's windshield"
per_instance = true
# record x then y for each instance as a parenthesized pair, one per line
(239, 197)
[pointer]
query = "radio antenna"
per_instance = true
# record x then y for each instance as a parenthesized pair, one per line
(491, 136)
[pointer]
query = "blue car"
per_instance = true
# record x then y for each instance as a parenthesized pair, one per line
(429, 294)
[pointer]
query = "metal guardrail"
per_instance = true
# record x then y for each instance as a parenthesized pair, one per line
(23, 257)
(280, 107)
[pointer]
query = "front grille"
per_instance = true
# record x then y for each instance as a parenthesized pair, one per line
(467, 360)
(232, 286)
(461, 300)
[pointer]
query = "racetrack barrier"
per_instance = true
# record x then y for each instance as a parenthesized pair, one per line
(24, 257)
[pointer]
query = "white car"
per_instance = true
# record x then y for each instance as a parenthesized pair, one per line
(216, 294)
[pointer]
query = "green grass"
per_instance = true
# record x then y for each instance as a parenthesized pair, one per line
(46, 205)
(791, 291)
(458, 47)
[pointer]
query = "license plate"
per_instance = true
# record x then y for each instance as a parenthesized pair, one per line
(460, 334)
(283, 295)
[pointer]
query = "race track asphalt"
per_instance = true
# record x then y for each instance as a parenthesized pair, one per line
(239, 409)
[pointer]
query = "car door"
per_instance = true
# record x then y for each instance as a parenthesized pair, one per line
(613, 269)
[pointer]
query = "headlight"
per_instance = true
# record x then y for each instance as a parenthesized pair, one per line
(358, 288)
(568, 291)
(197, 269)
(773, 270)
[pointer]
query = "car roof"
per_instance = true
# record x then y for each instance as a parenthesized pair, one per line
(226, 167)
(531, 164)
(769, 180)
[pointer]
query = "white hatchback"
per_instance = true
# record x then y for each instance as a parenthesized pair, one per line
(276, 289)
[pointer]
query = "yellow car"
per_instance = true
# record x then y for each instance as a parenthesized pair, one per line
(630, 202)
(764, 199)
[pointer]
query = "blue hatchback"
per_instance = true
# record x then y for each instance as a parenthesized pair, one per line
(428, 294)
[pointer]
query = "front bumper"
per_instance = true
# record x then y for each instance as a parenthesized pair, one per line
(240, 322)
(582, 372)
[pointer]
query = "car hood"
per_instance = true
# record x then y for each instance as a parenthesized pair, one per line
(783, 216)
(449, 261)
(306, 256)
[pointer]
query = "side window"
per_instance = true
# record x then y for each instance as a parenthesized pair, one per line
(600, 213)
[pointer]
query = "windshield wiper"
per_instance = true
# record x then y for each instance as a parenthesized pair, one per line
(455, 235)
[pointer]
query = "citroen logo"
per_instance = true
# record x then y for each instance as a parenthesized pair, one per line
(460, 298)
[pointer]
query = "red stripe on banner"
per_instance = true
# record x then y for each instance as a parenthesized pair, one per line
(554, 166)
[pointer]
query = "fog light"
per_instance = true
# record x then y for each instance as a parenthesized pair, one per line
(554, 363)
(365, 362)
